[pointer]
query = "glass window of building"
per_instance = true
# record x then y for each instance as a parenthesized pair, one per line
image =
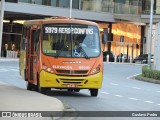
(107, 6)
(53, 2)
(37, 2)
(14, 1)
(127, 6)
(64, 3)
(31, 1)
(75, 4)
(46, 2)
(91, 5)
(25, 1)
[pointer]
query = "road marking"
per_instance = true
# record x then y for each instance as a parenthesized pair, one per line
(136, 88)
(158, 104)
(14, 69)
(113, 84)
(3, 70)
(119, 96)
(158, 91)
(131, 77)
(133, 98)
(3, 83)
(105, 93)
(148, 101)
(8, 69)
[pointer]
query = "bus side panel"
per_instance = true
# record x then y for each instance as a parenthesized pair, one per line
(22, 63)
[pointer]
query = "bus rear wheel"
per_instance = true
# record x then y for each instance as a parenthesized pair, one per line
(94, 92)
(29, 85)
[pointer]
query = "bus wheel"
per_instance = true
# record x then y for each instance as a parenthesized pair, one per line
(76, 90)
(29, 85)
(70, 90)
(94, 92)
(42, 90)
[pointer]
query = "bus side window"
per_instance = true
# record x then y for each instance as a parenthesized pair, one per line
(23, 42)
(37, 41)
(46, 45)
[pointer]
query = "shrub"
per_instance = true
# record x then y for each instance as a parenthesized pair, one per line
(155, 74)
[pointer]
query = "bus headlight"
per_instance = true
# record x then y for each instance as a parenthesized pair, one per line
(44, 67)
(96, 70)
(49, 69)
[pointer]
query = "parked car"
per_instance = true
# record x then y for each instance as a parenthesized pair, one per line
(111, 56)
(121, 55)
(143, 59)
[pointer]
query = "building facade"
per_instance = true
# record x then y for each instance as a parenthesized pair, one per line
(127, 19)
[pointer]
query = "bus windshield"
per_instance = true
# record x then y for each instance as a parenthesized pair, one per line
(71, 40)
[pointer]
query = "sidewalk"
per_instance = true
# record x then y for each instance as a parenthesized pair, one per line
(18, 99)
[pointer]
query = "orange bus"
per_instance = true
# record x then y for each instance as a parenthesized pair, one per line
(61, 53)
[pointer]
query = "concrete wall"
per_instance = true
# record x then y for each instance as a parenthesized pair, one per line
(157, 48)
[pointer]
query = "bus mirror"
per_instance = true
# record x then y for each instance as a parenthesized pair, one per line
(104, 38)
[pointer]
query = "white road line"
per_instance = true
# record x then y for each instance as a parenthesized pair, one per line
(119, 96)
(105, 93)
(130, 77)
(136, 88)
(13, 70)
(113, 84)
(133, 98)
(3, 70)
(148, 101)
(158, 104)
(3, 83)
(8, 69)
(158, 91)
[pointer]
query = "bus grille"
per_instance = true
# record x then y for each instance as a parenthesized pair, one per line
(72, 72)
(72, 81)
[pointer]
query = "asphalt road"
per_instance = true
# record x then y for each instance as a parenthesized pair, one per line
(119, 91)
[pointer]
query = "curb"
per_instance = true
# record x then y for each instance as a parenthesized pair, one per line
(120, 63)
(9, 59)
(147, 80)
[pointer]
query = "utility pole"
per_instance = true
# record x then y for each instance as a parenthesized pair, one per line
(70, 13)
(1, 23)
(150, 35)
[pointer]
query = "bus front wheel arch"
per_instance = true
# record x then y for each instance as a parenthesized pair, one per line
(42, 89)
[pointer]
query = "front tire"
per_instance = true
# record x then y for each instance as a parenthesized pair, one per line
(76, 90)
(94, 92)
(42, 90)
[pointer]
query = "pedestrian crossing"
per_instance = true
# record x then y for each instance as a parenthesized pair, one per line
(8, 69)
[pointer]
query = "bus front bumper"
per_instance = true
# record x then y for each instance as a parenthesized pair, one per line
(50, 80)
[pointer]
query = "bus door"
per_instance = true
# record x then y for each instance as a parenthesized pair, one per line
(32, 55)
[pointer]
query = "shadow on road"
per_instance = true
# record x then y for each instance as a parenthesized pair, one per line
(66, 93)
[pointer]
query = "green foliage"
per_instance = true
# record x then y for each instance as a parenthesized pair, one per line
(155, 74)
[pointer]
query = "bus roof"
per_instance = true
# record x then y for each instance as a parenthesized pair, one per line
(59, 20)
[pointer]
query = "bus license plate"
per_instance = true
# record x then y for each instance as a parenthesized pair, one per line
(72, 85)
